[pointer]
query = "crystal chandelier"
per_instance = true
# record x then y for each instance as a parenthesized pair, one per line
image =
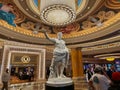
(57, 12)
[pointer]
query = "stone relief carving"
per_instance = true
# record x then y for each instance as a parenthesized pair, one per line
(100, 17)
(74, 27)
(112, 4)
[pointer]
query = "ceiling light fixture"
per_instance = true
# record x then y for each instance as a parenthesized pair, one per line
(110, 58)
(57, 12)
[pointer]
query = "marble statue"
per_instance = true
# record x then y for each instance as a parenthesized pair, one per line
(60, 56)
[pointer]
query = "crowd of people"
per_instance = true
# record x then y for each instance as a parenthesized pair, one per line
(25, 73)
(101, 79)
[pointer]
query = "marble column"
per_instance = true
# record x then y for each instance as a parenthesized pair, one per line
(80, 62)
(77, 63)
(77, 69)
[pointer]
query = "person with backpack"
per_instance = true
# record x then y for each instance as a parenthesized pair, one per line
(99, 80)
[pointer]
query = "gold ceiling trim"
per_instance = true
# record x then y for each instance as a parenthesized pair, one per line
(90, 9)
(82, 6)
(32, 6)
(79, 9)
(101, 47)
(111, 54)
(93, 43)
(113, 4)
(25, 11)
(71, 35)
(117, 44)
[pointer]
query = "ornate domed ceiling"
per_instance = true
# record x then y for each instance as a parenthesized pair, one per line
(97, 24)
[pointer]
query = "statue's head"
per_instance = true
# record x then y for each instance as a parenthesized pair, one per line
(59, 34)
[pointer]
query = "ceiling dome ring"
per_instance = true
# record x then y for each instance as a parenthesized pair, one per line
(58, 15)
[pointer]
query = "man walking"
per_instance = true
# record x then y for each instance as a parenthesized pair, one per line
(5, 79)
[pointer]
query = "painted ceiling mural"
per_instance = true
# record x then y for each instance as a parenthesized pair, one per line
(78, 2)
(97, 19)
(36, 2)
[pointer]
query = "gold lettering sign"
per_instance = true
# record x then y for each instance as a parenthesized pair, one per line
(25, 59)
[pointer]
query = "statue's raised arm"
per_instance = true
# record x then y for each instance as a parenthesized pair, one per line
(47, 37)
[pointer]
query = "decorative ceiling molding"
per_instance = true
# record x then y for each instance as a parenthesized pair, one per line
(102, 48)
(32, 7)
(86, 8)
(91, 7)
(26, 10)
(108, 27)
(113, 4)
(99, 42)
(17, 44)
(91, 40)
(82, 6)
(103, 55)
(111, 56)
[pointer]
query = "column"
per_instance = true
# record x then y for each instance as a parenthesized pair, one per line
(74, 61)
(77, 63)
(80, 61)
(77, 68)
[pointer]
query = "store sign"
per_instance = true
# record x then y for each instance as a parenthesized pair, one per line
(25, 59)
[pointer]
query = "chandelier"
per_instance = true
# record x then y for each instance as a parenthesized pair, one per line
(57, 12)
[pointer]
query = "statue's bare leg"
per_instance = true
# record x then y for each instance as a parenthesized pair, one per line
(62, 70)
(52, 69)
(57, 69)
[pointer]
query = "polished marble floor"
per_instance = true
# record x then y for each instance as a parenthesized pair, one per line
(31, 86)
(17, 84)
(27, 86)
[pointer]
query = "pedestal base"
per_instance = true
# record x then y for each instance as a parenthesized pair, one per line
(59, 84)
(64, 87)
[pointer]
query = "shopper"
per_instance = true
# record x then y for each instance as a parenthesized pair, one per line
(110, 71)
(116, 81)
(88, 74)
(99, 81)
(5, 79)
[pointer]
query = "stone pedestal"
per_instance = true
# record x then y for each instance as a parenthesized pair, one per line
(80, 83)
(59, 84)
(61, 87)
